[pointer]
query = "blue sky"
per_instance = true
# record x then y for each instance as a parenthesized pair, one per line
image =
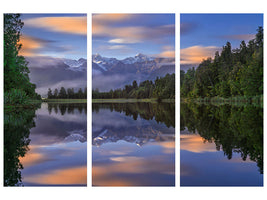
(54, 35)
(203, 34)
(125, 35)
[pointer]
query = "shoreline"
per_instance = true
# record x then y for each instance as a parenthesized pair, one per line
(64, 100)
(132, 101)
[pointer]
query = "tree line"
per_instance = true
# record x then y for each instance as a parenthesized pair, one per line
(161, 88)
(17, 86)
(233, 72)
(232, 128)
(67, 94)
(161, 112)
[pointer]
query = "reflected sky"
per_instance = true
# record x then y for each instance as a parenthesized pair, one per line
(58, 149)
(203, 165)
(128, 152)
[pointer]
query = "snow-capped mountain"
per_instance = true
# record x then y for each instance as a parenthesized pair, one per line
(112, 73)
(104, 62)
(138, 58)
(76, 65)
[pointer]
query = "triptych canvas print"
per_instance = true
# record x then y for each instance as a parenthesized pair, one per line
(133, 99)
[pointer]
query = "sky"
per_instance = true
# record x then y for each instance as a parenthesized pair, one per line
(201, 35)
(125, 35)
(54, 35)
(48, 39)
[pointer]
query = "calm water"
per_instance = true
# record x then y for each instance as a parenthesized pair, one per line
(133, 144)
(46, 146)
(221, 145)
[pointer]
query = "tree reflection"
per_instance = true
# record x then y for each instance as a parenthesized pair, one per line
(161, 112)
(69, 108)
(231, 128)
(17, 125)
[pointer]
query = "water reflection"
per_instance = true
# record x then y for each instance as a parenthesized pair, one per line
(17, 125)
(57, 148)
(160, 112)
(213, 135)
(133, 144)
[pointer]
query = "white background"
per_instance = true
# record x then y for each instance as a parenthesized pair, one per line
(126, 6)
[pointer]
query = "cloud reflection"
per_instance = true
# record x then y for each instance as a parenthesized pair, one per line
(70, 176)
(195, 143)
(121, 168)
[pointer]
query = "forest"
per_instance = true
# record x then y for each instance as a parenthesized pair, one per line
(17, 86)
(161, 88)
(232, 73)
(67, 94)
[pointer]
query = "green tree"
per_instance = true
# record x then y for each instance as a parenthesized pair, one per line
(62, 93)
(16, 72)
(80, 94)
(56, 93)
(49, 94)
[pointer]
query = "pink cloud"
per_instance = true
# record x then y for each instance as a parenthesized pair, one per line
(195, 54)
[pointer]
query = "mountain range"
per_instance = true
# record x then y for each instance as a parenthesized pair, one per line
(107, 73)
(48, 72)
(111, 73)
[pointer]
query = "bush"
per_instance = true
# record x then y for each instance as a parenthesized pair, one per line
(15, 96)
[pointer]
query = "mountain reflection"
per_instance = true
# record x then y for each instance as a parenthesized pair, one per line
(133, 144)
(112, 122)
(233, 129)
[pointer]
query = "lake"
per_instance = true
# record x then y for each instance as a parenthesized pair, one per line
(46, 146)
(221, 145)
(133, 144)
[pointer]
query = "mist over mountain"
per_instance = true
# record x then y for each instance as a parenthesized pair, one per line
(48, 72)
(111, 73)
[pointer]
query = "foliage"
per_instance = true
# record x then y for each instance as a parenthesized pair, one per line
(67, 94)
(16, 72)
(16, 96)
(17, 125)
(234, 72)
(161, 88)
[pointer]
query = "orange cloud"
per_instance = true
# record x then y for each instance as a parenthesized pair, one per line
(125, 33)
(108, 18)
(76, 175)
(29, 45)
(168, 54)
(195, 54)
(101, 24)
(74, 25)
(195, 143)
